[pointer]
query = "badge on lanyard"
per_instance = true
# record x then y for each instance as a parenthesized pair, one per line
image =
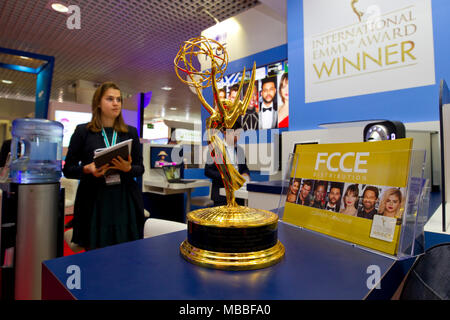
(111, 179)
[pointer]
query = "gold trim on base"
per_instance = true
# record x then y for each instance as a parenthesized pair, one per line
(232, 261)
(232, 217)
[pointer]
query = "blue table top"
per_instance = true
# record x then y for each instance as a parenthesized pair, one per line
(314, 267)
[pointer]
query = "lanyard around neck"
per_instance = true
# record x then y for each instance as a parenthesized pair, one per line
(105, 138)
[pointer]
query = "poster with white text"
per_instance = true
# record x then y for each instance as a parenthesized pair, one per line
(357, 47)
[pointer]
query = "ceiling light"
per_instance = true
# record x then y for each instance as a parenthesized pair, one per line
(166, 88)
(173, 108)
(230, 26)
(59, 7)
(25, 58)
(7, 81)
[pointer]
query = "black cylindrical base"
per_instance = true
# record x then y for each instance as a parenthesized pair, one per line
(231, 239)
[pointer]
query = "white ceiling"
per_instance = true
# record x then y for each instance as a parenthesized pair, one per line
(130, 42)
(279, 6)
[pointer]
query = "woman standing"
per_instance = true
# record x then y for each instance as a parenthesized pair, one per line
(351, 196)
(108, 205)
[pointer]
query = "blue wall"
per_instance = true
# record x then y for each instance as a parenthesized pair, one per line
(407, 105)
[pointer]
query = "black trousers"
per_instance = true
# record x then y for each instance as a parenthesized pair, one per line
(222, 201)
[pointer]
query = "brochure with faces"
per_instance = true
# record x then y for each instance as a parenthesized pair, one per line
(352, 191)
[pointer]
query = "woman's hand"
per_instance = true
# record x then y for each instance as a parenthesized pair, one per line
(121, 164)
(96, 172)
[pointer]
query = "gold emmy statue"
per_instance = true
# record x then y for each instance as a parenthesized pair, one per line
(229, 237)
(356, 11)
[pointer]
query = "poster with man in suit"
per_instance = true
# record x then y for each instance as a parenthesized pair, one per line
(268, 113)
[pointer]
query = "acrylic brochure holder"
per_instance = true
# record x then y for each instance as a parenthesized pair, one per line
(407, 238)
(444, 120)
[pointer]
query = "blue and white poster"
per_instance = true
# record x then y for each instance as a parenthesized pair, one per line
(357, 47)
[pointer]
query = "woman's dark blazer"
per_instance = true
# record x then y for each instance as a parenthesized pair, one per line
(82, 145)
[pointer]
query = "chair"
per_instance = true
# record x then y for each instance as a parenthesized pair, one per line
(72, 245)
(152, 230)
(429, 277)
(203, 201)
(155, 227)
(70, 186)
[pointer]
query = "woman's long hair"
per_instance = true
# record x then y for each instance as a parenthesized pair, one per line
(96, 123)
(355, 191)
(396, 192)
(284, 78)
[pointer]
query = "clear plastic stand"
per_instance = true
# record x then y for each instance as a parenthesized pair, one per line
(286, 177)
(414, 217)
(411, 242)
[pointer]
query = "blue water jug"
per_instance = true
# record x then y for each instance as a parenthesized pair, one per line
(36, 151)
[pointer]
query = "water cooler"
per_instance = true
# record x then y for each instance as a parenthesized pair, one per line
(32, 215)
